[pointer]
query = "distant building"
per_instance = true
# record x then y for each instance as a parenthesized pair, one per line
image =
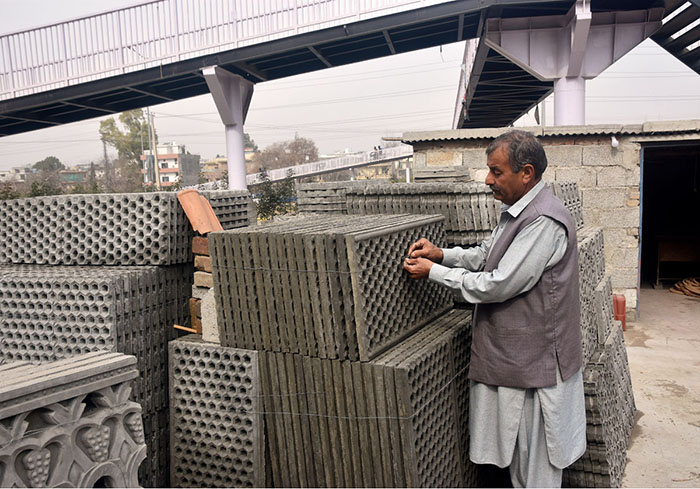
(214, 169)
(174, 165)
(71, 178)
(15, 175)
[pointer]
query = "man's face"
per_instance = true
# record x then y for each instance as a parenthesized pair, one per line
(508, 187)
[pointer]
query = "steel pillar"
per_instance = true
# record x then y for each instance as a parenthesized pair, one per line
(232, 94)
(570, 49)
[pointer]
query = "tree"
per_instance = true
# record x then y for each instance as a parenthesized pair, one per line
(275, 198)
(44, 183)
(49, 164)
(286, 153)
(248, 143)
(129, 177)
(128, 139)
(8, 192)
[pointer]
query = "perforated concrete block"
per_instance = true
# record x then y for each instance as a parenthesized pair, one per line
(233, 208)
(568, 193)
(217, 434)
(396, 421)
(51, 313)
(333, 287)
(70, 423)
(100, 229)
(610, 411)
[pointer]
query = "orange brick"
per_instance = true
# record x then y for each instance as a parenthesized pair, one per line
(195, 307)
(202, 263)
(200, 245)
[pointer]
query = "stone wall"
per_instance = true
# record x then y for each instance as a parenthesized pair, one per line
(608, 178)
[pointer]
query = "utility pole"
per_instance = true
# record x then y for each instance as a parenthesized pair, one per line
(108, 168)
(154, 146)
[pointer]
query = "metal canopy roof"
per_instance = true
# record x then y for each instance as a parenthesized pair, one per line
(505, 91)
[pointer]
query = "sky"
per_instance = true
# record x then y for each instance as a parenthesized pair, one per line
(348, 108)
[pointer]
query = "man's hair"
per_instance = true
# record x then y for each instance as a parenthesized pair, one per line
(522, 147)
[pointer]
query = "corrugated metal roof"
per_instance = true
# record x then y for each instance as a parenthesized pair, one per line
(656, 127)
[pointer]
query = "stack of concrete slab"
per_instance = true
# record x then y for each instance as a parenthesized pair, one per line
(433, 174)
(51, 313)
(568, 193)
(70, 423)
(100, 229)
(591, 260)
(400, 420)
(217, 437)
(323, 286)
(394, 421)
(470, 210)
(610, 411)
(233, 208)
(327, 197)
(610, 407)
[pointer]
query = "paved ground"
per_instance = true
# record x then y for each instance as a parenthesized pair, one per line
(663, 347)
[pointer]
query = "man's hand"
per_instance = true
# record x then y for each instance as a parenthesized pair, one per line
(425, 249)
(417, 268)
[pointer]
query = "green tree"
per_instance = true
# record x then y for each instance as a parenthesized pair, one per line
(248, 142)
(49, 164)
(275, 198)
(128, 136)
(8, 192)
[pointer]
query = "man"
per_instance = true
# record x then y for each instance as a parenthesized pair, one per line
(526, 390)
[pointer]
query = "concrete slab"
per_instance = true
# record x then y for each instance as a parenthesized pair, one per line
(662, 347)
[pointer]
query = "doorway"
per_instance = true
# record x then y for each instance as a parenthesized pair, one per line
(670, 224)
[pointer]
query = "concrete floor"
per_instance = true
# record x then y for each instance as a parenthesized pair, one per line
(663, 347)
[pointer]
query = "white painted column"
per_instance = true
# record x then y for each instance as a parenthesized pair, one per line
(570, 101)
(232, 94)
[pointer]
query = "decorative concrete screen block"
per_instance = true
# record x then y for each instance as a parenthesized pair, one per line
(470, 210)
(610, 411)
(325, 286)
(568, 193)
(233, 208)
(217, 433)
(396, 421)
(70, 423)
(101, 229)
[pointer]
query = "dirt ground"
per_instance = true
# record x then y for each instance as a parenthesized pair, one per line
(663, 347)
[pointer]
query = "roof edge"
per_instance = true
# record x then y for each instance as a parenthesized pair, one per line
(651, 127)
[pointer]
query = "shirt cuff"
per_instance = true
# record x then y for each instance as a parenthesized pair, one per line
(450, 257)
(437, 273)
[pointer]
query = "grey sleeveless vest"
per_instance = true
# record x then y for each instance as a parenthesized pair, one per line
(522, 341)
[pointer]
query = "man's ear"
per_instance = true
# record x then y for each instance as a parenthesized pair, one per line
(528, 173)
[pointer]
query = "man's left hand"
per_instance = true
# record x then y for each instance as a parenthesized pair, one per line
(417, 268)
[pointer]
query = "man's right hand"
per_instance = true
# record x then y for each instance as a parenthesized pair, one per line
(425, 249)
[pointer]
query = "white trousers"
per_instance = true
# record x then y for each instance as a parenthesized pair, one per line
(530, 465)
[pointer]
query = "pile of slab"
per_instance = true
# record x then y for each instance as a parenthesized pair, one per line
(470, 210)
(233, 208)
(52, 313)
(610, 406)
(78, 304)
(70, 423)
(334, 369)
(323, 286)
(109, 229)
(327, 197)
(399, 420)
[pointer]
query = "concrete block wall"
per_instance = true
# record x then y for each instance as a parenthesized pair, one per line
(608, 179)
